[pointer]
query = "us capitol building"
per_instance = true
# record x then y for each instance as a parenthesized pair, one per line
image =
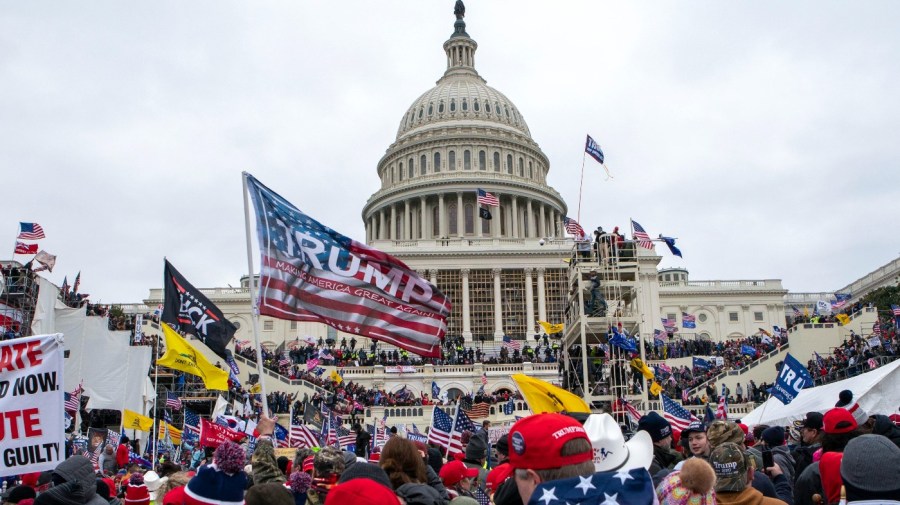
(505, 273)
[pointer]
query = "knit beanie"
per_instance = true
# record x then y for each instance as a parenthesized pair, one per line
(773, 436)
(870, 468)
(845, 400)
(692, 485)
(221, 483)
(136, 492)
(655, 425)
(365, 471)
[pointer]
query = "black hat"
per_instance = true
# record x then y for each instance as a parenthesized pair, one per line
(813, 421)
(773, 436)
(655, 425)
(503, 445)
(694, 427)
(19, 493)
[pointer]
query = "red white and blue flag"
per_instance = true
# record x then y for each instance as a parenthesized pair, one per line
(573, 227)
(173, 401)
(311, 272)
(485, 198)
(509, 343)
(677, 415)
(30, 231)
(640, 235)
(303, 436)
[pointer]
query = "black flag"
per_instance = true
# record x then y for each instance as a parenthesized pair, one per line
(484, 213)
(186, 309)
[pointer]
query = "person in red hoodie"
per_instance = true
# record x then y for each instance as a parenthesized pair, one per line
(122, 453)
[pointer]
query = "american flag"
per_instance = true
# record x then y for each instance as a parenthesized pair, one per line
(797, 312)
(625, 486)
(359, 290)
(311, 364)
(633, 414)
(345, 437)
(485, 198)
(173, 401)
(463, 423)
(722, 409)
(510, 343)
(73, 400)
(303, 436)
(895, 309)
(30, 231)
(77, 283)
(684, 396)
(677, 416)
(573, 227)
(479, 410)
(379, 437)
(641, 236)
(191, 424)
(669, 325)
(688, 320)
(284, 361)
(281, 436)
(659, 336)
(876, 328)
(441, 427)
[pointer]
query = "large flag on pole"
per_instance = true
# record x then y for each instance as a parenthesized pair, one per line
(310, 272)
(180, 355)
(189, 310)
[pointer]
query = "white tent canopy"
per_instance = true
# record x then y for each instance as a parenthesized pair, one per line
(877, 392)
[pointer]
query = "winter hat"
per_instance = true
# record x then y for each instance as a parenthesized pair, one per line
(136, 492)
(328, 461)
(19, 493)
(349, 459)
(67, 493)
(692, 485)
(845, 400)
(365, 471)
(871, 466)
(102, 489)
(655, 425)
(476, 449)
(221, 483)
(722, 432)
(502, 445)
(536, 442)
(839, 420)
(773, 436)
(361, 491)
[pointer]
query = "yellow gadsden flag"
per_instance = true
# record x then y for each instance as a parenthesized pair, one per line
(639, 365)
(545, 397)
(131, 420)
(843, 318)
(174, 433)
(550, 328)
(336, 377)
(180, 355)
(655, 388)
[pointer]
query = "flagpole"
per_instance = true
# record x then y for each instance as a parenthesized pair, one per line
(254, 307)
(580, 186)
(155, 397)
(290, 425)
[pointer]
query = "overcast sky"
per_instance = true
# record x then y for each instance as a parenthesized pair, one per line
(763, 134)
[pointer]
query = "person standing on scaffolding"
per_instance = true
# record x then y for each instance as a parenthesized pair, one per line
(597, 304)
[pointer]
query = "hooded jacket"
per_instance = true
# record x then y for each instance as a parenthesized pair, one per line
(79, 469)
(885, 427)
(785, 460)
(419, 494)
(69, 493)
(749, 496)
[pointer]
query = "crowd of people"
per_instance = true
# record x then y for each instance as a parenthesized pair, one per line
(856, 355)
(836, 455)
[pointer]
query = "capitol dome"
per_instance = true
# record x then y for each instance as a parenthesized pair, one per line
(460, 137)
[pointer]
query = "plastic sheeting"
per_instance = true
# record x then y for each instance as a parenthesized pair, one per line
(877, 392)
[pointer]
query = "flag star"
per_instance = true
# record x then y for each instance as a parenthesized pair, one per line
(623, 476)
(610, 500)
(585, 484)
(548, 496)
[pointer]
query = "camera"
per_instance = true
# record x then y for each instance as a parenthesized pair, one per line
(542, 242)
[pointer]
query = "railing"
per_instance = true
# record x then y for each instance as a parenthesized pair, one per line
(465, 176)
(282, 378)
(861, 367)
(734, 410)
(768, 283)
(753, 364)
(477, 242)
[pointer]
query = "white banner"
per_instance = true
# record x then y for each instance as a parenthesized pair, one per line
(399, 369)
(31, 404)
(138, 328)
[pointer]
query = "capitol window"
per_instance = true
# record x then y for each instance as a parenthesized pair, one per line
(421, 111)
(757, 316)
(412, 169)
(733, 317)
(521, 167)
(451, 160)
(482, 161)
(470, 218)
(467, 160)
(453, 229)
(670, 317)
(496, 162)
(509, 164)
(437, 162)
(441, 107)
(475, 105)
(487, 107)
(423, 164)
(430, 109)
(268, 325)
(452, 105)
(530, 170)
(702, 318)
(465, 105)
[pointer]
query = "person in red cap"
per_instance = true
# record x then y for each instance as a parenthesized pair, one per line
(546, 447)
(457, 477)
(823, 477)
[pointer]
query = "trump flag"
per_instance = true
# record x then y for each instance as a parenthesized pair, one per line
(310, 272)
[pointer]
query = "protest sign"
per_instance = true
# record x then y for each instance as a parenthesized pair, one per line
(31, 404)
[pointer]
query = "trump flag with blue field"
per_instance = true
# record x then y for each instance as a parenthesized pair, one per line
(311, 272)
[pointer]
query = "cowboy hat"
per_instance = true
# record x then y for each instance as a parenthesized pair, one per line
(611, 452)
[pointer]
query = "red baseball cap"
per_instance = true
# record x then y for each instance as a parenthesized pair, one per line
(455, 471)
(497, 475)
(535, 442)
(839, 420)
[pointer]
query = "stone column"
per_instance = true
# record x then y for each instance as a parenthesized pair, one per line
(498, 305)
(392, 232)
(423, 222)
(407, 221)
(543, 223)
(466, 316)
(432, 276)
(542, 293)
(529, 305)
(530, 220)
(460, 223)
(515, 218)
(496, 223)
(381, 229)
(442, 217)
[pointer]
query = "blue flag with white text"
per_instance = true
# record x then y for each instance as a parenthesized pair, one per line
(791, 380)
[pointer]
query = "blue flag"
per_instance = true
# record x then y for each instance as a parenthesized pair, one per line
(792, 378)
(509, 407)
(593, 148)
(619, 340)
(748, 350)
(710, 416)
(701, 363)
(435, 390)
(671, 243)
